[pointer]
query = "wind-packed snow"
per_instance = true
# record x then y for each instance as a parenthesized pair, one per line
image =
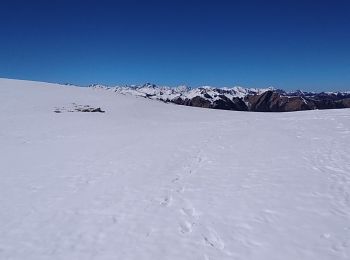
(149, 180)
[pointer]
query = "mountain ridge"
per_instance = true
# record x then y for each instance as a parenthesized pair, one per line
(237, 98)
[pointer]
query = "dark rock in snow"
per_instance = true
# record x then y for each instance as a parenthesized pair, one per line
(78, 108)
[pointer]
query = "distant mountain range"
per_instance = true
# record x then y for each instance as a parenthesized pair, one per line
(237, 98)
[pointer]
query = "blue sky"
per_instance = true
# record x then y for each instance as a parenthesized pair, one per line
(286, 44)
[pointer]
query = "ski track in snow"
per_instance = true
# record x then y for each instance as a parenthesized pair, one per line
(148, 180)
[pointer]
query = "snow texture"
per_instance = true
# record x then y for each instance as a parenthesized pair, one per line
(149, 180)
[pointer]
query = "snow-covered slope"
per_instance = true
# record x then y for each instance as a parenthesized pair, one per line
(148, 180)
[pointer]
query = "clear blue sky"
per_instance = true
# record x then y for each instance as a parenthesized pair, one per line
(286, 44)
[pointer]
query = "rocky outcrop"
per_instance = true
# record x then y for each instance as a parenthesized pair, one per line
(79, 108)
(230, 104)
(223, 103)
(274, 102)
(90, 109)
(198, 102)
(271, 101)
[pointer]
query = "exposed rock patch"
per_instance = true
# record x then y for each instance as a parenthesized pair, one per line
(79, 108)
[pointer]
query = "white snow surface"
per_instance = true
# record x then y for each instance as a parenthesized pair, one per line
(149, 180)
